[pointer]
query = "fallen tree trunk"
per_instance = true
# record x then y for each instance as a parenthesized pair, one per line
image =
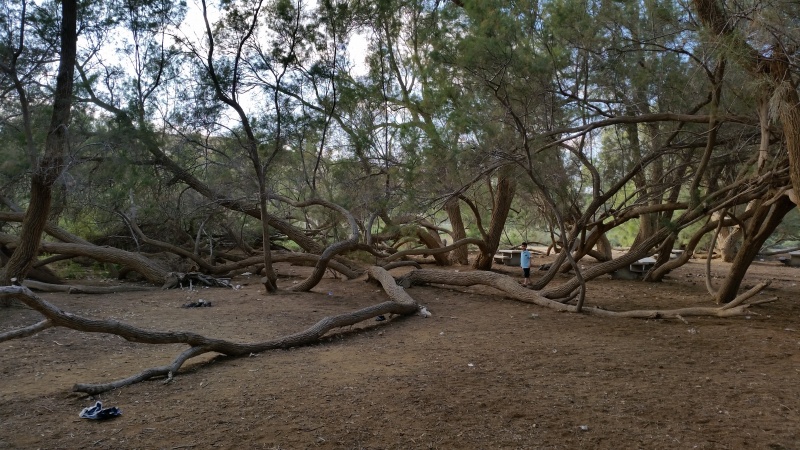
(80, 289)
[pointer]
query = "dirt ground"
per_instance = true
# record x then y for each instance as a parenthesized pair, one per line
(483, 372)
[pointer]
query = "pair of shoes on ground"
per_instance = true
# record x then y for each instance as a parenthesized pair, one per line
(97, 412)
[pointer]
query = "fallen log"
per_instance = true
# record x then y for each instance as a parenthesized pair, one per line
(82, 289)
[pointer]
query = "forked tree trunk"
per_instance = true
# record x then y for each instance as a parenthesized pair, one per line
(506, 188)
(760, 227)
(595, 238)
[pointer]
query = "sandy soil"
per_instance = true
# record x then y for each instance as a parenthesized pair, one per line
(483, 372)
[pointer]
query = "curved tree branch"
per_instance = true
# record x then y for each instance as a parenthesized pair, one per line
(401, 303)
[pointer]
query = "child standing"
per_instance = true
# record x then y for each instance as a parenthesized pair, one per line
(525, 263)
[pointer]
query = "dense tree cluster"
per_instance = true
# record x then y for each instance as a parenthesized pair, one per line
(221, 137)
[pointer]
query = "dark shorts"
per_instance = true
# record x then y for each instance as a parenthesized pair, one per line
(526, 272)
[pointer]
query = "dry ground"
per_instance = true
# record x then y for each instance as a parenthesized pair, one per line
(483, 372)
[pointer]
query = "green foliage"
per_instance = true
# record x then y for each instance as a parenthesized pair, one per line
(445, 94)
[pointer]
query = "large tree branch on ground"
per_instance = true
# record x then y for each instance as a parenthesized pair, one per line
(149, 269)
(396, 264)
(36, 271)
(30, 330)
(401, 303)
(78, 289)
(291, 257)
(510, 287)
(595, 271)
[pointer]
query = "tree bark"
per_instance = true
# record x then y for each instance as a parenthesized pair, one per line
(506, 188)
(431, 242)
(453, 209)
(761, 226)
(401, 303)
(51, 164)
(153, 272)
(509, 286)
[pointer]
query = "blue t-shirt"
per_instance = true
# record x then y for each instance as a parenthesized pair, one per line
(525, 259)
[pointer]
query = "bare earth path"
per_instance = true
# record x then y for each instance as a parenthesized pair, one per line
(482, 372)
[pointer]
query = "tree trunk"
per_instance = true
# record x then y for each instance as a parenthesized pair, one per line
(729, 242)
(647, 226)
(506, 188)
(431, 242)
(270, 279)
(453, 209)
(51, 164)
(760, 227)
(664, 256)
